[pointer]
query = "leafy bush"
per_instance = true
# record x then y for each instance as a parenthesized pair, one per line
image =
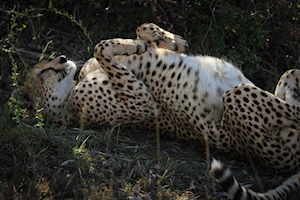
(261, 37)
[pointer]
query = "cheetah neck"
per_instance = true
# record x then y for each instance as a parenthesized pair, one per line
(54, 107)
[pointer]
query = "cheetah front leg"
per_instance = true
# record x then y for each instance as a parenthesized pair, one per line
(158, 37)
(133, 93)
(288, 87)
(153, 35)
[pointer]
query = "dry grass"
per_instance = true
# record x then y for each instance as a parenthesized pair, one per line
(111, 163)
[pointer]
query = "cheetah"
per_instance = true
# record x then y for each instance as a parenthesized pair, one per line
(149, 82)
(234, 190)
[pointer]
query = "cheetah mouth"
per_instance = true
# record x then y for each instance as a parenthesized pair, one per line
(65, 71)
(68, 68)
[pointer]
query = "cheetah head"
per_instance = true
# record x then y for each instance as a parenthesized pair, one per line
(50, 83)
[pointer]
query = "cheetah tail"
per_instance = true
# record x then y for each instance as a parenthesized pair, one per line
(235, 191)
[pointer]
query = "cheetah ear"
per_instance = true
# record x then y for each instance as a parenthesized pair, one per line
(21, 95)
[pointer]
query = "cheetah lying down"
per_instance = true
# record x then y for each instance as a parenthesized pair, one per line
(150, 83)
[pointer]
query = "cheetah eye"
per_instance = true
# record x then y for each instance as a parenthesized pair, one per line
(46, 70)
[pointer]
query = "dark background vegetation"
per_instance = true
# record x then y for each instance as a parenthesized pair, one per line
(261, 37)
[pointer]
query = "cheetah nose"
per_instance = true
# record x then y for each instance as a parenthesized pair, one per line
(62, 59)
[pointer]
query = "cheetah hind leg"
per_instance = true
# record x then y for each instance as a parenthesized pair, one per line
(288, 87)
(247, 100)
(259, 124)
(158, 37)
(132, 91)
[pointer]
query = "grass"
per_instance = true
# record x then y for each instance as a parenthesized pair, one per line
(53, 162)
(111, 163)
